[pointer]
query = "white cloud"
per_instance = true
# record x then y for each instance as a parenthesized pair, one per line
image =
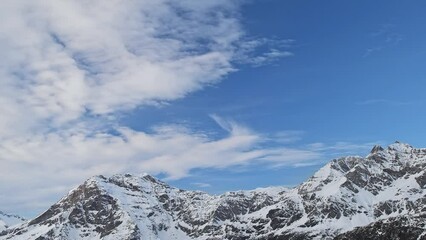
(202, 185)
(275, 49)
(49, 163)
(269, 57)
(62, 60)
(69, 67)
(68, 57)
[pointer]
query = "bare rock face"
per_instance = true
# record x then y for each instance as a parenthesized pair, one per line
(376, 149)
(381, 196)
(396, 228)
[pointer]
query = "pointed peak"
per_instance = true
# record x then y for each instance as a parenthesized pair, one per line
(376, 149)
(150, 178)
(93, 181)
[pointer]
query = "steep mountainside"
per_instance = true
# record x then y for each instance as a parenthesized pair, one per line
(7, 220)
(381, 195)
(405, 227)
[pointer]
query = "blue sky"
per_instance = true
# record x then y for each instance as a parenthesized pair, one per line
(213, 95)
(356, 76)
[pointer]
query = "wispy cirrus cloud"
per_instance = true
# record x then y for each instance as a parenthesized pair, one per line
(385, 37)
(202, 185)
(339, 149)
(79, 59)
(273, 49)
(50, 163)
(105, 57)
(386, 102)
(69, 69)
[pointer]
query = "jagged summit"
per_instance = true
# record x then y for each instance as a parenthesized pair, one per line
(384, 189)
(376, 148)
(397, 147)
(400, 147)
(128, 177)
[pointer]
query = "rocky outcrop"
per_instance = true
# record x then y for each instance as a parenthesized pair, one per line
(397, 228)
(380, 196)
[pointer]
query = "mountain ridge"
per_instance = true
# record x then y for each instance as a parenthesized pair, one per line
(345, 196)
(7, 220)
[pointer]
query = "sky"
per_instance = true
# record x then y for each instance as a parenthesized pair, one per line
(214, 95)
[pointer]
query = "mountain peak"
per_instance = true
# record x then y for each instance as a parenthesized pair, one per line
(376, 148)
(396, 147)
(124, 178)
(400, 147)
(396, 154)
(346, 193)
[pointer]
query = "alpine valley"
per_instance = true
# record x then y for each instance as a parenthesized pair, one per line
(380, 196)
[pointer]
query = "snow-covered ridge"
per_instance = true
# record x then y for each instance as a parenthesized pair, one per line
(346, 193)
(7, 220)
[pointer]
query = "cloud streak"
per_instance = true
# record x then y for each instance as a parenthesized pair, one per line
(388, 102)
(69, 69)
(48, 163)
(110, 56)
(63, 61)
(385, 37)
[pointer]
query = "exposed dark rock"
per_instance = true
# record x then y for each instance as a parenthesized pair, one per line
(128, 207)
(421, 180)
(376, 149)
(395, 229)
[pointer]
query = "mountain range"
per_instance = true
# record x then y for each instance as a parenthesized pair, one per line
(380, 196)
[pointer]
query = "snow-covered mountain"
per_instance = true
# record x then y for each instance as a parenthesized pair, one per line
(381, 196)
(7, 220)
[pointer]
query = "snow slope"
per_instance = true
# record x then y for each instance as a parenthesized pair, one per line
(7, 220)
(384, 188)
